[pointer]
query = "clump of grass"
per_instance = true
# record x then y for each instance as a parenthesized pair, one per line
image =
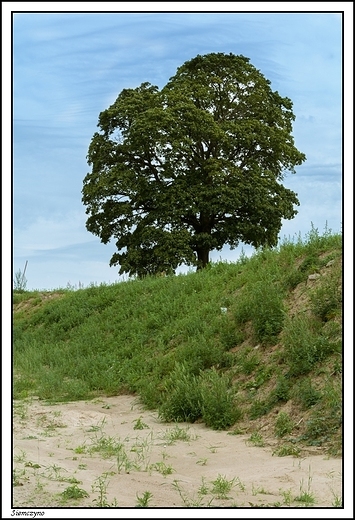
(139, 424)
(142, 501)
(287, 450)
(74, 493)
(161, 467)
(306, 394)
(222, 486)
(283, 425)
(219, 409)
(177, 434)
(183, 396)
(305, 344)
(256, 439)
(326, 300)
(259, 408)
(306, 496)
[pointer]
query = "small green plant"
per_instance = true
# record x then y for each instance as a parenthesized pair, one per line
(306, 496)
(287, 495)
(193, 501)
(177, 434)
(30, 464)
(100, 487)
(203, 489)
(222, 486)
(74, 492)
(287, 450)
(256, 439)
(80, 449)
(20, 457)
(337, 502)
(97, 427)
(106, 446)
(258, 490)
(17, 476)
(142, 501)
(283, 425)
(162, 468)
(139, 424)
(122, 459)
(202, 462)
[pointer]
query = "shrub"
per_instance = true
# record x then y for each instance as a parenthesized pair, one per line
(293, 278)
(282, 389)
(305, 344)
(306, 394)
(182, 397)
(259, 408)
(326, 300)
(284, 424)
(219, 410)
(265, 310)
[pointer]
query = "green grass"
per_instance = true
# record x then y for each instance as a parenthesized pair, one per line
(166, 340)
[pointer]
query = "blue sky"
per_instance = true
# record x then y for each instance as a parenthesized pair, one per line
(68, 67)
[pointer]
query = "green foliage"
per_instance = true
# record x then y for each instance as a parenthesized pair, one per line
(209, 396)
(326, 418)
(139, 424)
(284, 424)
(74, 492)
(267, 311)
(166, 340)
(183, 396)
(259, 408)
(306, 344)
(282, 389)
(219, 410)
(307, 394)
(256, 439)
(222, 486)
(326, 299)
(287, 450)
(168, 180)
(143, 501)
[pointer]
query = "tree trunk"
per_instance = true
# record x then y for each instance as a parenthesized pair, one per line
(203, 254)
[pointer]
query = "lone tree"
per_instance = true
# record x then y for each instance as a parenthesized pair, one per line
(181, 171)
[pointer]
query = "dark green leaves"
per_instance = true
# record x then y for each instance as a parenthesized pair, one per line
(189, 168)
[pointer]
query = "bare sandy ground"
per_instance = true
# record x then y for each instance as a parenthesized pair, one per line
(110, 452)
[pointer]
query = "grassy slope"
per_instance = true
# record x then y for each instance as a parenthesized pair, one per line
(269, 365)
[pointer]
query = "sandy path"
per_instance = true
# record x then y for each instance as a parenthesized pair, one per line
(54, 449)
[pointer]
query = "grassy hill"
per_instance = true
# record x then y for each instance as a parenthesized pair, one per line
(253, 346)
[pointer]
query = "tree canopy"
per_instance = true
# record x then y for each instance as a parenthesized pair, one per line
(180, 171)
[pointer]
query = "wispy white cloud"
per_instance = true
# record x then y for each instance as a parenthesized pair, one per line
(50, 233)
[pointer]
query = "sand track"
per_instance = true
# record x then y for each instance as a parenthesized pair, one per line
(98, 447)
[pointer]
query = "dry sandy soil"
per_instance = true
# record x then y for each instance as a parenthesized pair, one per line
(122, 455)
